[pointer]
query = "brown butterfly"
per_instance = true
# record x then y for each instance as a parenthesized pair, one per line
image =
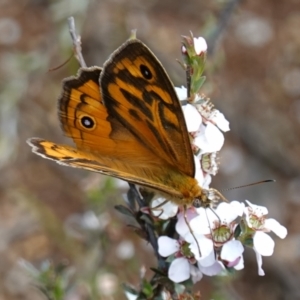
(127, 122)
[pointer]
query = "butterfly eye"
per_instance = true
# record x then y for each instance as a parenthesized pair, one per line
(146, 72)
(87, 122)
(197, 203)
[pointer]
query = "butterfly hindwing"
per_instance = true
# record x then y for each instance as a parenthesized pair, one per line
(155, 177)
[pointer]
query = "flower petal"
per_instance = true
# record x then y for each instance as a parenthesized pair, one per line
(208, 256)
(259, 264)
(238, 207)
(212, 270)
(200, 224)
(179, 270)
(192, 117)
(258, 210)
(240, 264)
(195, 273)
(210, 138)
(165, 211)
(181, 92)
(226, 212)
(200, 45)
(198, 171)
(181, 226)
(206, 181)
(276, 227)
(232, 250)
(167, 246)
(219, 119)
(263, 243)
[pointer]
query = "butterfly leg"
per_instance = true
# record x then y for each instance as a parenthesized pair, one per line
(158, 207)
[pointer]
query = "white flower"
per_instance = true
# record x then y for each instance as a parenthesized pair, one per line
(255, 217)
(180, 269)
(163, 208)
(216, 228)
(209, 139)
(263, 244)
(200, 45)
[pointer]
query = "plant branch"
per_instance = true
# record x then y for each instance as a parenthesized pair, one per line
(76, 42)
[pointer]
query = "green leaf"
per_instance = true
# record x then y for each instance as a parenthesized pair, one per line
(237, 231)
(179, 288)
(248, 242)
(124, 210)
(147, 219)
(141, 233)
(147, 289)
(130, 198)
(159, 272)
(165, 225)
(197, 84)
(170, 258)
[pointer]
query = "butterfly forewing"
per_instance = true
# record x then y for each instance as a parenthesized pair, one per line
(139, 94)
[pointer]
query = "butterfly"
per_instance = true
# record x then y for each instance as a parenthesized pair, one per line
(127, 122)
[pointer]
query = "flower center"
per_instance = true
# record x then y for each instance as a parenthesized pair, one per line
(256, 222)
(221, 234)
(186, 251)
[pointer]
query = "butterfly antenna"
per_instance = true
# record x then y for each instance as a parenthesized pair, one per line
(190, 229)
(250, 184)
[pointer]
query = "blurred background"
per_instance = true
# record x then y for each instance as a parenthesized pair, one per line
(66, 216)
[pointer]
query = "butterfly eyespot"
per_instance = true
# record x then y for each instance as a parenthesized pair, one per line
(87, 122)
(146, 72)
